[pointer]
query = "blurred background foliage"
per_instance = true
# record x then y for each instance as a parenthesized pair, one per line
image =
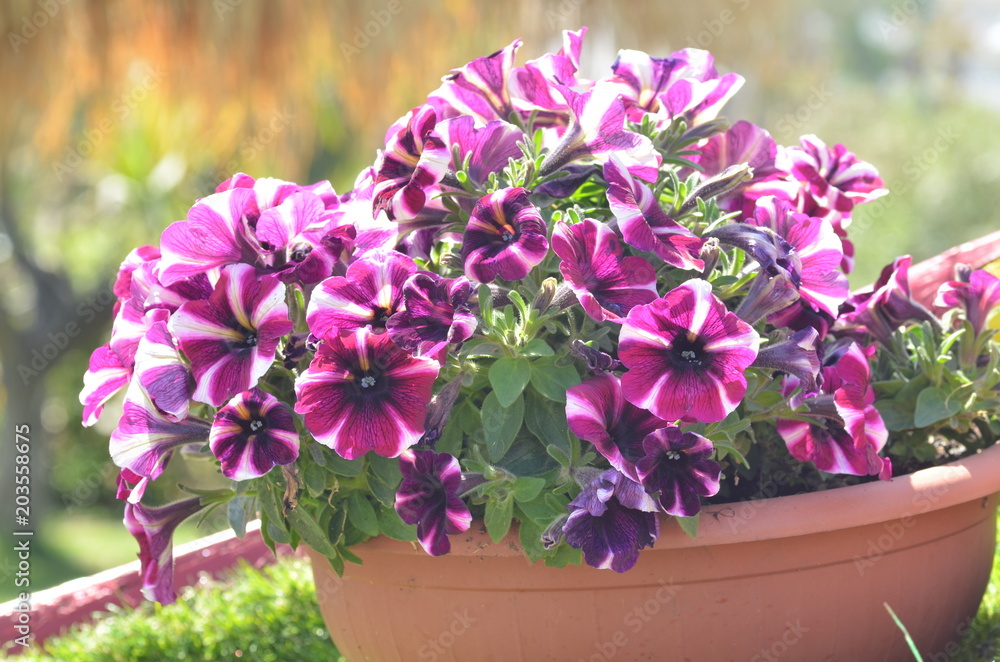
(117, 116)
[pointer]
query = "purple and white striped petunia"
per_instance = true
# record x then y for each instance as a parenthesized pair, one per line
(153, 529)
(231, 338)
(436, 313)
(478, 89)
(488, 148)
(216, 233)
(976, 292)
(363, 393)
(834, 178)
(505, 237)
(253, 433)
(611, 520)
(796, 355)
(428, 496)
(598, 412)
(644, 224)
(105, 376)
(161, 371)
(847, 432)
(597, 132)
(146, 438)
(677, 469)
(408, 167)
(887, 306)
(816, 256)
(686, 355)
(606, 283)
(370, 293)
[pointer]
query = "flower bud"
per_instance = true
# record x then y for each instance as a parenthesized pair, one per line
(724, 182)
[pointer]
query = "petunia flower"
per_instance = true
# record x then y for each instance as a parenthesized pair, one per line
(253, 433)
(644, 224)
(598, 412)
(428, 496)
(153, 529)
(796, 355)
(886, 306)
(676, 468)
(606, 282)
(611, 520)
(505, 237)
(105, 376)
(479, 89)
(436, 312)
(976, 292)
(161, 371)
(363, 393)
(597, 133)
(231, 339)
(846, 432)
(368, 295)
(146, 438)
(686, 355)
(486, 148)
(408, 168)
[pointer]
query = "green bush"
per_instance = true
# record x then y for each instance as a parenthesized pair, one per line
(263, 616)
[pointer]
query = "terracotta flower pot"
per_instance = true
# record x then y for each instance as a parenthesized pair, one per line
(801, 577)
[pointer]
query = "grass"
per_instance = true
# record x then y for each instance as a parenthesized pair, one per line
(272, 615)
(264, 616)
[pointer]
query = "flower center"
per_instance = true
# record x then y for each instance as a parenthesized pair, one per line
(367, 381)
(380, 317)
(689, 350)
(250, 339)
(300, 252)
(673, 455)
(256, 424)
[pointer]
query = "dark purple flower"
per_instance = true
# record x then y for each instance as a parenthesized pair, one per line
(146, 438)
(253, 433)
(887, 306)
(676, 469)
(611, 520)
(487, 149)
(606, 282)
(231, 338)
(596, 411)
(976, 292)
(505, 237)
(153, 529)
(796, 355)
(361, 393)
(428, 497)
(686, 355)
(436, 312)
(644, 225)
(368, 295)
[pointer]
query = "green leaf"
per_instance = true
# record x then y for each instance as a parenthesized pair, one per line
(333, 520)
(508, 377)
(240, 510)
(499, 514)
(390, 524)
(314, 477)
(689, 525)
(537, 347)
(526, 457)
(361, 514)
(546, 420)
(896, 415)
(933, 405)
(277, 533)
(527, 488)
(486, 305)
(384, 478)
(541, 510)
(564, 555)
(530, 535)
(308, 528)
(451, 437)
(342, 467)
(501, 424)
(553, 380)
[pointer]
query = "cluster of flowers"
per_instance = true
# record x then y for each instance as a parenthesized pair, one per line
(533, 260)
